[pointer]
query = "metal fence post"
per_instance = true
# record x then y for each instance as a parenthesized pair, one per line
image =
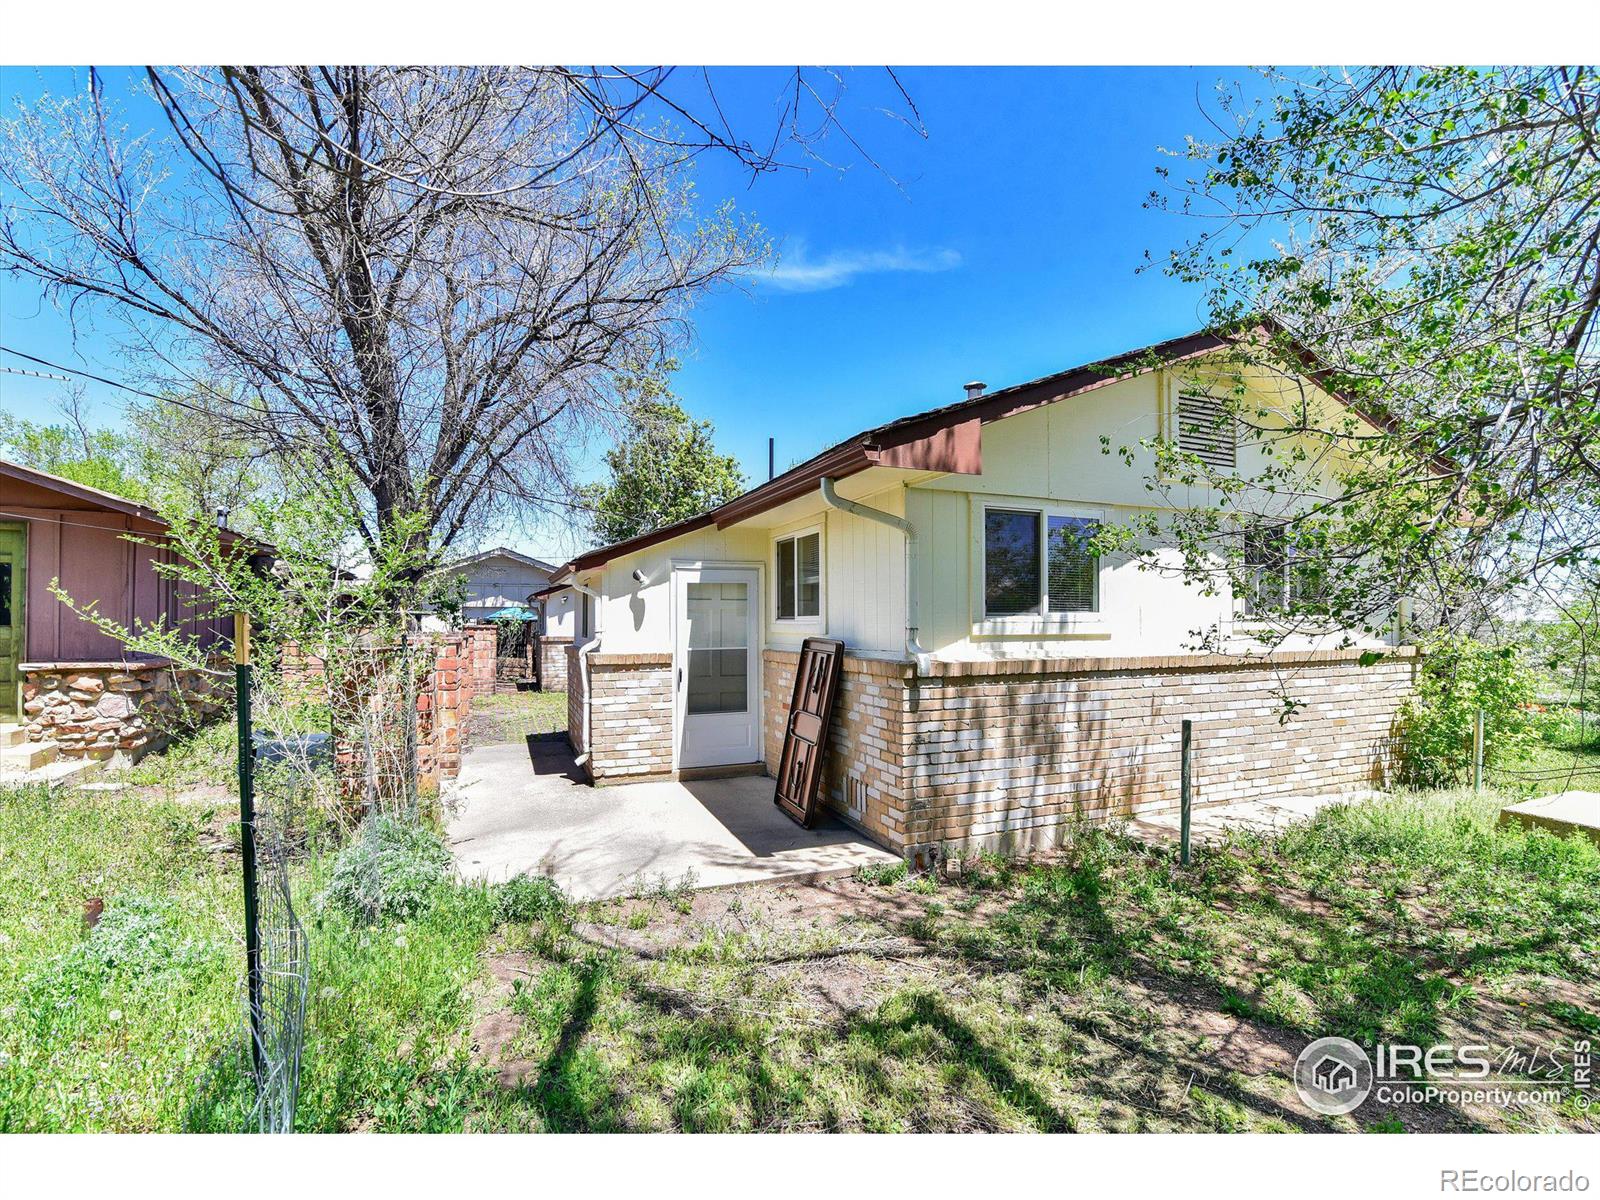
(1477, 751)
(1184, 794)
(247, 833)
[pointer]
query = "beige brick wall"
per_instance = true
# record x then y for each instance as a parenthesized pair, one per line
(1008, 754)
(1010, 759)
(630, 718)
(863, 778)
(577, 689)
(553, 663)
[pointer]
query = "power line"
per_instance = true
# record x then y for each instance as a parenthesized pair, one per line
(34, 374)
(44, 362)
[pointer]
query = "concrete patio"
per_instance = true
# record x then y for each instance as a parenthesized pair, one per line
(524, 809)
(1212, 822)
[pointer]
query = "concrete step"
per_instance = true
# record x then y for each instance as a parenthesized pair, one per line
(59, 772)
(29, 755)
(12, 735)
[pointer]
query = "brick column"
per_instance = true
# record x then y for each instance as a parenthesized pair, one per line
(630, 719)
(553, 663)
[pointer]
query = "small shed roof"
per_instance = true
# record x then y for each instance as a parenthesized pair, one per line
(70, 494)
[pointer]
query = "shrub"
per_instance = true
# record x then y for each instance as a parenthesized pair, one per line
(142, 943)
(390, 869)
(1458, 676)
(526, 899)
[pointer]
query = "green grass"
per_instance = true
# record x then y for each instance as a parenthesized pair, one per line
(1567, 757)
(1109, 988)
(512, 716)
(207, 758)
(97, 1045)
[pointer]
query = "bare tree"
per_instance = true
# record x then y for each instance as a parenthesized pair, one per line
(426, 276)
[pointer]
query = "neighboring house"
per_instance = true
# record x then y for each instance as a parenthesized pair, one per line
(498, 578)
(79, 689)
(999, 682)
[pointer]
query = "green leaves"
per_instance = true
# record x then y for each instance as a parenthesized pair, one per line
(665, 469)
(1432, 236)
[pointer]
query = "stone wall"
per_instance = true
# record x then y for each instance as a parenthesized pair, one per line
(630, 718)
(445, 684)
(863, 775)
(444, 702)
(1008, 754)
(120, 709)
(553, 663)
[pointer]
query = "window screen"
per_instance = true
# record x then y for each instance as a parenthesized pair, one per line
(799, 577)
(1010, 562)
(1265, 558)
(1206, 430)
(1073, 573)
(785, 577)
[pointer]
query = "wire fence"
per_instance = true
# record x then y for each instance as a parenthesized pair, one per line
(327, 740)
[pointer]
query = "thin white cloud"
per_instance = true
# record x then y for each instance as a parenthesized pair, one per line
(797, 271)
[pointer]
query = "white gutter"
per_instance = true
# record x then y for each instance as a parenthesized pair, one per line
(832, 498)
(584, 651)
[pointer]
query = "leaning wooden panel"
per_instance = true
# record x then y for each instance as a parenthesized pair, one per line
(805, 741)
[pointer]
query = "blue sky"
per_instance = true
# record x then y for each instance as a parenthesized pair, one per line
(1008, 251)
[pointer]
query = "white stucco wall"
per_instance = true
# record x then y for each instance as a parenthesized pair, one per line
(560, 613)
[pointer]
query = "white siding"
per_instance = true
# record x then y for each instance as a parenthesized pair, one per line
(1051, 455)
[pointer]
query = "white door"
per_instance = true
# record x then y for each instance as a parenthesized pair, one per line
(715, 666)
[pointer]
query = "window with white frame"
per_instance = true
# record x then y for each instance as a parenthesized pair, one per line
(1039, 563)
(797, 577)
(1281, 572)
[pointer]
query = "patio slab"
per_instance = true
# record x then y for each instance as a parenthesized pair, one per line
(1563, 813)
(525, 809)
(1211, 822)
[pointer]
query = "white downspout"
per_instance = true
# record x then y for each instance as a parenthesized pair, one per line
(584, 651)
(913, 647)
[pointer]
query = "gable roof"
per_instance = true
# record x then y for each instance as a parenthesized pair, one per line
(947, 438)
(500, 552)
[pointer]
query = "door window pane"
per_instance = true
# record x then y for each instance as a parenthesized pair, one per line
(719, 615)
(5, 593)
(718, 681)
(1073, 570)
(1010, 562)
(719, 654)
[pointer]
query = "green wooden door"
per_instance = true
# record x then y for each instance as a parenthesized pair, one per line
(13, 592)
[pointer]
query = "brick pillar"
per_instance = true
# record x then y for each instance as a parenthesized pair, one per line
(630, 719)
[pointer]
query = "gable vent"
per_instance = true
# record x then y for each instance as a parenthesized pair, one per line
(1206, 429)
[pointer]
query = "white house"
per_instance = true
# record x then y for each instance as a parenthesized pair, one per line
(499, 578)
(998, 681)
(566, 616)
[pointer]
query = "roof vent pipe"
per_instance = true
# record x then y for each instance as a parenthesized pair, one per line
(974, 389)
